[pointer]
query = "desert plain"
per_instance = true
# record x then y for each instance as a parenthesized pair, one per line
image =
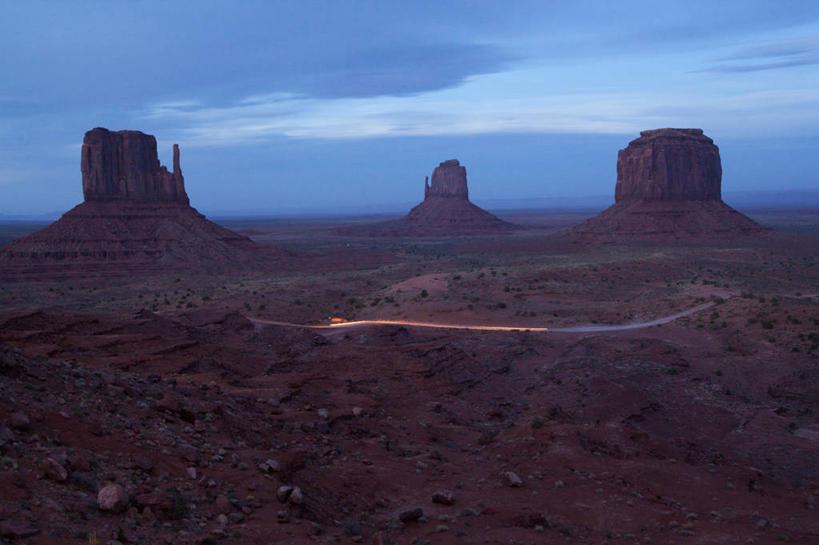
(222, 428)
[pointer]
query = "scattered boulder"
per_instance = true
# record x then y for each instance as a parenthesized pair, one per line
(512, 479)
(20, 421)
(112, 498)
(269, 466)
(54, 470)
(296, 496)
(283, 493)
(222, 505)
(411, 515)
(444, 497)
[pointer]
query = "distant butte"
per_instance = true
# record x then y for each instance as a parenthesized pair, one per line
(669, 187)
(445, 211)
(135, 217)
(123, 166)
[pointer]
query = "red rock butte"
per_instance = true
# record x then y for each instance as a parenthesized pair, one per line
(669, 187)
(136, 218)
(124, 166)
(445, 211)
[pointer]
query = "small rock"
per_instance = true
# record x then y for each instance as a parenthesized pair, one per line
(444, 497)
(191, 471)
(20, 421)
(54, 470)
(112, 498)
(236, 518)
(761, 523)
(324, 413)
(269, 466)
(559, 484)
(17, 529)
(283, 517)
(411, 515)
(222, 505)
(296, 496)
(512, 479)
(147, 516)
(144, 463)
(222, 519)
(283, 493)
(358, 411)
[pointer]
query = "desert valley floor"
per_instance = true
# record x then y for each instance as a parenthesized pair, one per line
(223, 429)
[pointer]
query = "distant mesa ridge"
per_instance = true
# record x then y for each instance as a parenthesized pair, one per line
(136, 218)
(445, 211)
(669, 187)
(123, 165)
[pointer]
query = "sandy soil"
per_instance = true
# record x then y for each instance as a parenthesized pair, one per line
(702, 430)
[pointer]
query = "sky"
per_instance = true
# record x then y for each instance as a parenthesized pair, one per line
(314, 106)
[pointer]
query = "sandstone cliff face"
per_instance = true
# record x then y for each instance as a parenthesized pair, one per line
(669, 165)
(123, 165)
(448, 180)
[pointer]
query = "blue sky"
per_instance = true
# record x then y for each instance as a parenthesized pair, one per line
(300, 106)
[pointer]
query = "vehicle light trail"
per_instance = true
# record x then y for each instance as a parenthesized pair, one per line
(480, 327)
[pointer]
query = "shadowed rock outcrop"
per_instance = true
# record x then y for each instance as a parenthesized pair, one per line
(448, 180)
(123, 165)
(135, 218)
(669, 187)
(669, 165)
(445, 211)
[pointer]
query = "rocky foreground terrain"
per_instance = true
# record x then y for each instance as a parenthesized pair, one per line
(153, 410)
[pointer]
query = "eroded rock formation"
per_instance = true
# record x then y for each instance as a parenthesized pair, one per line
(668, 188)
(669, 165)
(448, 180)
(136, 218)
(123, 165)
(445, 211)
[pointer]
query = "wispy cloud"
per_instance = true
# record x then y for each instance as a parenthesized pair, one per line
(771, 55)
(263, 117)
(257, 118)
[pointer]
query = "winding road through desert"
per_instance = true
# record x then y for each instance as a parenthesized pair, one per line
(475, 327)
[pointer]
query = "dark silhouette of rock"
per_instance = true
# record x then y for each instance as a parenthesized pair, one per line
(123, 165)
(445, 211)
(136, 218)
(668, 188)
(448, 180)
(669, 165)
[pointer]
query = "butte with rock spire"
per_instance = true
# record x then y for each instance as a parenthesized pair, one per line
(135, 217)
(445, 211)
